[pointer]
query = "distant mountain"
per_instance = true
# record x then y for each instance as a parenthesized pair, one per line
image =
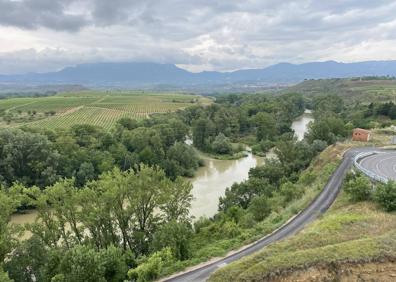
(153, 74)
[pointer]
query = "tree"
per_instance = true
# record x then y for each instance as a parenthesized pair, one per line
(358, 188)
(128, 123)
(134, 205)
(181, 160)
(28, 158)
(290, 191)
(28, 260)
(272, 170)
(241, 194)
(266, 126)
(385, 195)
(203, 129)
(176, 236)
(8, 205)
(260, 208)
(85, 173)
(82, 264)
(222, 145)
(178, 203)
(328, 128)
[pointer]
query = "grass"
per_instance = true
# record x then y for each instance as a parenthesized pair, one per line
(101, 108)
(348, 233)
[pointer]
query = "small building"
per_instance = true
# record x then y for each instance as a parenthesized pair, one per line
(360, 134)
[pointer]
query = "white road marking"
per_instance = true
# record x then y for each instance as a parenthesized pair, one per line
(379, 165)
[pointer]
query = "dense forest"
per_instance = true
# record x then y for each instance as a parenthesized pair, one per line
(114, 205)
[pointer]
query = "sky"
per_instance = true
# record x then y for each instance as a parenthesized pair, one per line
(222, 35)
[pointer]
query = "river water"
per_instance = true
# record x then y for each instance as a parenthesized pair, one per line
(300, 124)
(211, 180)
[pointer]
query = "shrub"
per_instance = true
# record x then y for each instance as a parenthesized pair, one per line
(151, 269)
(358, 188)
(385, 195)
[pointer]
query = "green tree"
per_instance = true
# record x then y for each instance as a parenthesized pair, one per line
(175, 235)
(28, 158)
(181, 160)
(241, 194)
(327, 129)
(85, 173)
(266, 126)
(82, 264)
(290, 191)
(260, 208)
(8, 205)
(29, 259)
(222, 145)
(203, 130)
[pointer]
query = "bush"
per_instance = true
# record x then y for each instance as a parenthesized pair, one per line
(151, 269)
(385, 195)
(358, 188)
(290, 191)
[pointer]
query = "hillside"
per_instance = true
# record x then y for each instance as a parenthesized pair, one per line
(351, 90)
(350, 242)
(134, 74)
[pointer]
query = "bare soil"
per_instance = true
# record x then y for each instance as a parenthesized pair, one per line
(383, 271)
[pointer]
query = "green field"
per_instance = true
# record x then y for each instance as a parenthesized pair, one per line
(100, 108)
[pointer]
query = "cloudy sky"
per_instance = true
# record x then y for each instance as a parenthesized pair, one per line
(46, 35)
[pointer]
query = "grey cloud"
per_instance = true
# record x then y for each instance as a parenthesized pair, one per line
(202, 34)
(32, 14)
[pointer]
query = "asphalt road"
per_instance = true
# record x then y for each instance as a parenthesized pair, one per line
(316, 208)
(382, 164)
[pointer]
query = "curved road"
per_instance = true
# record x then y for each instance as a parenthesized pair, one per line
(317, 207)
(382, 164)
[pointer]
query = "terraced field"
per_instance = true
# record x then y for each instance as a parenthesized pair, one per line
(94, 108)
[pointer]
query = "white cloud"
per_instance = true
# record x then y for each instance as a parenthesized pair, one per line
(44, 35)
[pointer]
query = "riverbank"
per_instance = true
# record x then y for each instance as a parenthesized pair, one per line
(311, 180)
(211, 181)
(222, 157)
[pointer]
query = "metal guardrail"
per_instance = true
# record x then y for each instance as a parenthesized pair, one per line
(365, 171)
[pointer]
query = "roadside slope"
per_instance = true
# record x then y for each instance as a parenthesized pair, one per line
(314, 208)
(351, 240)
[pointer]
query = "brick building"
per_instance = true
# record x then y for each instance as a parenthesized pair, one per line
(361, 135)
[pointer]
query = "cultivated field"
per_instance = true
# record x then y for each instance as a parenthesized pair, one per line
(95, 108)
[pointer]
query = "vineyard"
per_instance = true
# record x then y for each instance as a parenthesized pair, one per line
(94, 108)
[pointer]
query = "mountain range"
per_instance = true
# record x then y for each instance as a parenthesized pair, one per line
(140, 74)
